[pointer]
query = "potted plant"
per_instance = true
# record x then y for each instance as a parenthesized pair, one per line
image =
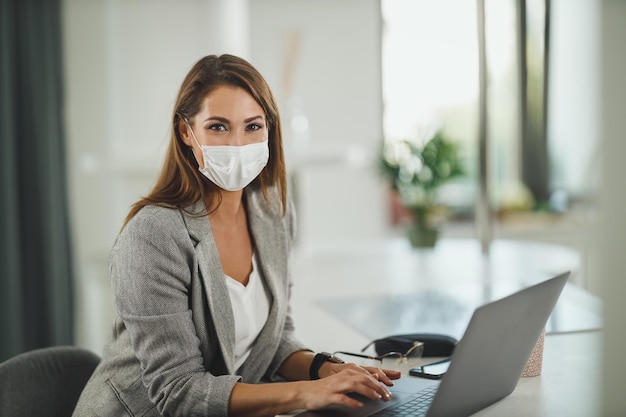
(415, 174)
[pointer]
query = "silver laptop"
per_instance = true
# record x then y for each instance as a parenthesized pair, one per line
(485, 367)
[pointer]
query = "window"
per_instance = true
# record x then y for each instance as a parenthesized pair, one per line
(431, 81)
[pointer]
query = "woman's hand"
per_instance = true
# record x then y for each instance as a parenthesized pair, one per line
(340, 379)
(383, 375)
(337, 381)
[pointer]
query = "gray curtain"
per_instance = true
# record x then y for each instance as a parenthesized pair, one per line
(35, 259)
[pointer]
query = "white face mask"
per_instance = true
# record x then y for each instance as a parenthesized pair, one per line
(233, 167)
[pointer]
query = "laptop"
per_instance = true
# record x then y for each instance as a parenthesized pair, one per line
(485, 366)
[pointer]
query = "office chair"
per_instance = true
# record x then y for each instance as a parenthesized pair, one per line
(45, 382)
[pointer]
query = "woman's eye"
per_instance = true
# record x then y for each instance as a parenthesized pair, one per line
(255, 126)
(218, 126)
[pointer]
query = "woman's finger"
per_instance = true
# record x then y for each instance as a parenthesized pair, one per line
(366, 384)
(384, 375)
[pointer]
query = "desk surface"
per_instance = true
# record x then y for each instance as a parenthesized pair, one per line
(569, 381)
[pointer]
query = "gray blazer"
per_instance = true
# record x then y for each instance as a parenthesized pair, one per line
(172, 347)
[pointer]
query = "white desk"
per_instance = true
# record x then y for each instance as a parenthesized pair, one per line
(569, 381)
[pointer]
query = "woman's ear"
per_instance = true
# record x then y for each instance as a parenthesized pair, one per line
(184, 131)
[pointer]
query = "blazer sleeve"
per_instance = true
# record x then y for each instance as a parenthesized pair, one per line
(150, 270)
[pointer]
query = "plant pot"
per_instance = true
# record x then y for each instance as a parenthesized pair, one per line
(423, 237)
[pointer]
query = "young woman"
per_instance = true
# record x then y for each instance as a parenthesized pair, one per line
(200, 273)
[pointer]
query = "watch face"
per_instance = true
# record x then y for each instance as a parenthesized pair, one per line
(332, 358)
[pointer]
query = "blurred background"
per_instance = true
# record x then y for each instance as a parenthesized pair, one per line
(535, 106)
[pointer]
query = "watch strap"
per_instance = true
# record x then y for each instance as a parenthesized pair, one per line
(319, 360)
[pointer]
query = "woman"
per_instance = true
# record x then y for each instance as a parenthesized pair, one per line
(200, 274)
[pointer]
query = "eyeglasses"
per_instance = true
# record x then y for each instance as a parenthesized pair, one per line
(392, 360)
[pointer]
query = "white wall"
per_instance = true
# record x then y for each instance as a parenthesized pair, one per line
(333, 73)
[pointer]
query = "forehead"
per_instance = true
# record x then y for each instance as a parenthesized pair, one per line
(229, 100)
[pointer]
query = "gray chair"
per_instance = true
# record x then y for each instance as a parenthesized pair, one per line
(45, 382)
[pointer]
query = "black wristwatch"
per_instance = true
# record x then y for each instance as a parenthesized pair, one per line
(318, 360)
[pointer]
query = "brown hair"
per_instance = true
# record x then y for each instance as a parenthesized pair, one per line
(180, 183)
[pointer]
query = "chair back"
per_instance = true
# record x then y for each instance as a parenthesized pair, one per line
(45, 382)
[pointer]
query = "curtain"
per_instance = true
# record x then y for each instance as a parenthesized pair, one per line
(35, 258)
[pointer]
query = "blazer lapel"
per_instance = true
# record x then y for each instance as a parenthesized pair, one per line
(212, 274)
(270, 248)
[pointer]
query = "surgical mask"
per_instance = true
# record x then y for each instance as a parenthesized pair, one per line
(233, 167)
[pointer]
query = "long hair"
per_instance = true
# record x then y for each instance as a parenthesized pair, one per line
(180, 183)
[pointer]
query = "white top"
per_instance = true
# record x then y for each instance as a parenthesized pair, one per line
(251, 306)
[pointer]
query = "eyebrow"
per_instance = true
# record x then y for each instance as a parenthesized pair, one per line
(225, 120)
(250, 119)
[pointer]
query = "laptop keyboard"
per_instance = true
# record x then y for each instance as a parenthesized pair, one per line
(416, 406)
